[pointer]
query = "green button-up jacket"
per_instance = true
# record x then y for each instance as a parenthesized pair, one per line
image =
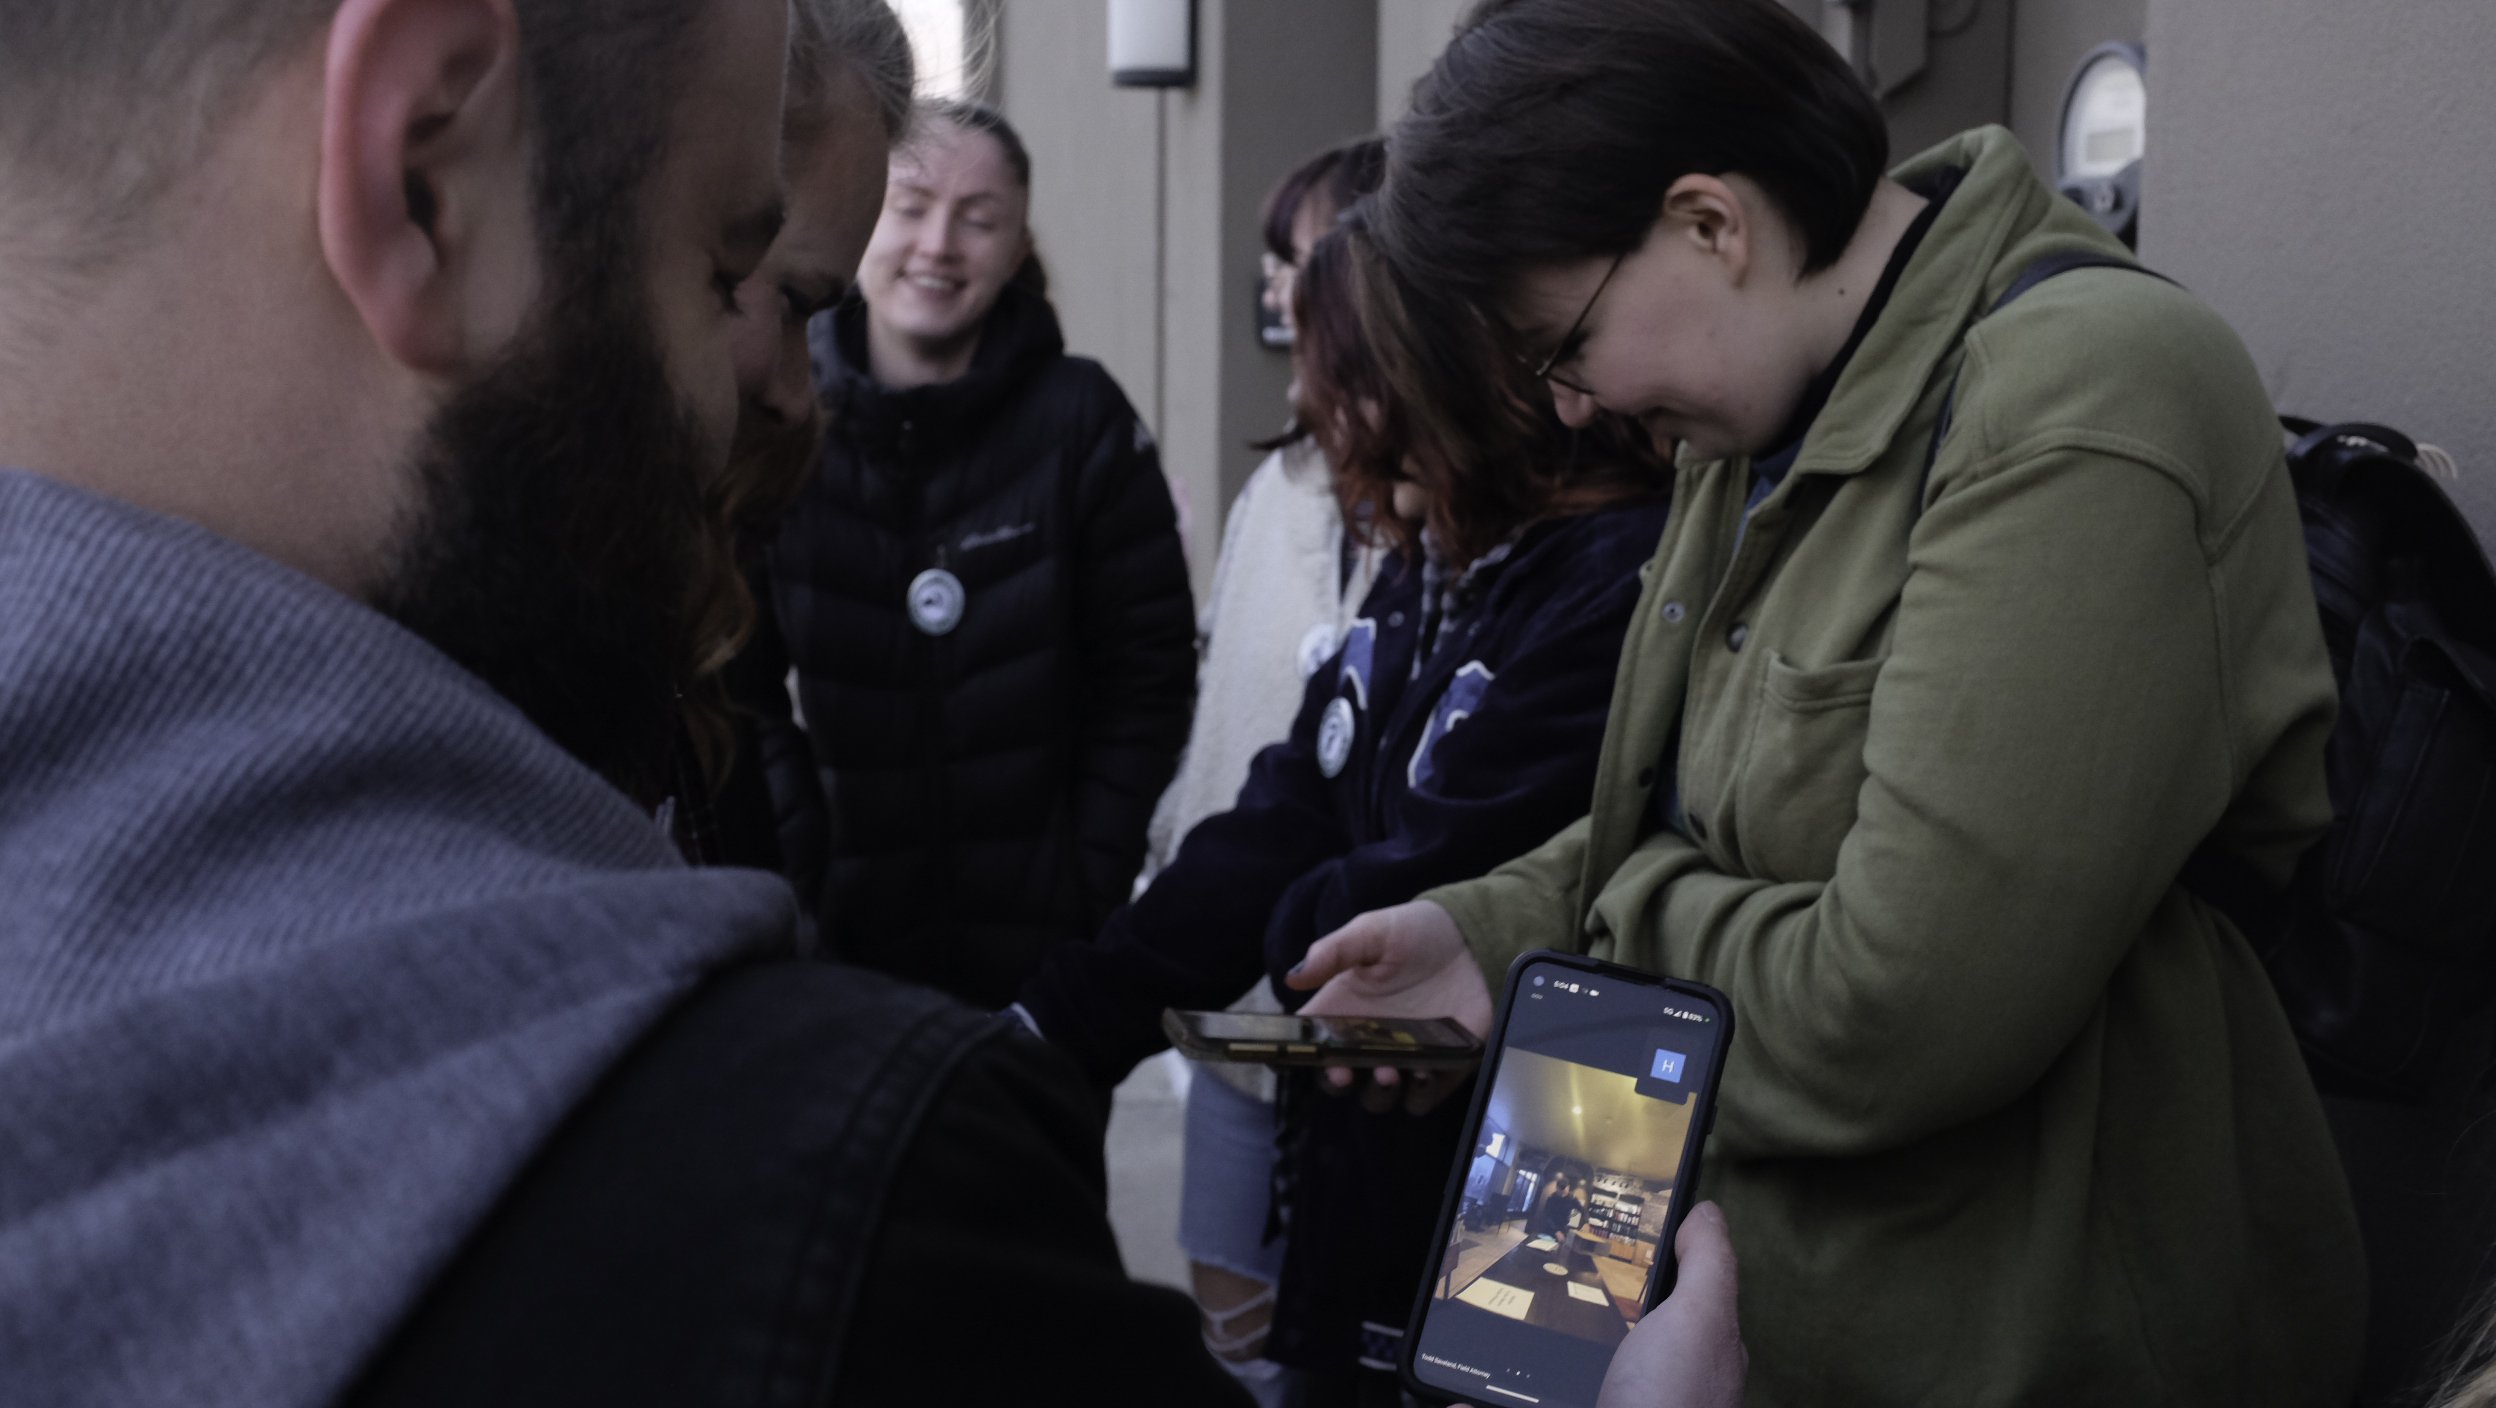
(2010, 1117)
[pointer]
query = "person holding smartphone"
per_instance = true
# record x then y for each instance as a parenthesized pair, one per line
(1976, 621)
(1460, 717)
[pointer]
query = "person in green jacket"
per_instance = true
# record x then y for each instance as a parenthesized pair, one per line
(1917, 723)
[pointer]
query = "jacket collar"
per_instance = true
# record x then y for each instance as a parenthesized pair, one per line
(1020, 337)
(1973, 251)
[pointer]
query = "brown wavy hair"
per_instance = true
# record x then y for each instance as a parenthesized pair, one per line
(1480, 491)
(833, 44)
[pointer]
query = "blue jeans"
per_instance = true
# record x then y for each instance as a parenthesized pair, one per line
(1226, 1186)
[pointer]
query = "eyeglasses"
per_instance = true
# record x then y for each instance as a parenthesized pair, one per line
(1544, 371)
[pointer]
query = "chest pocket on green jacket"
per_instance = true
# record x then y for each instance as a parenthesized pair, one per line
(1803, 770)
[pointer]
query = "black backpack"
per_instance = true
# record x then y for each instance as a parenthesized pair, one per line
(2383, 946)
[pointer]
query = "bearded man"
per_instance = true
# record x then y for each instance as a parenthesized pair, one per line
(365, 370)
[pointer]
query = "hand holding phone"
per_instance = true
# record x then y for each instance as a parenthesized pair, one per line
(1407, 961)
(1289, 1039)
(1581, 1162)
(1687, 1352)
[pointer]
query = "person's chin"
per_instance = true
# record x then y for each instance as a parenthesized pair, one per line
(932, 331)
(919, 310)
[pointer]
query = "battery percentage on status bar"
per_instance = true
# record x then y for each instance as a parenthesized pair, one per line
(1685, 1016)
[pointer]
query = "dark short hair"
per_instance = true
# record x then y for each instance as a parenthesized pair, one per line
(107, 102)
(1334, 178)
(1031, 275)
(1479, 494)
(1549, 131)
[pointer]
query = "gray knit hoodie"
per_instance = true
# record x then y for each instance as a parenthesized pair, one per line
(307, 940)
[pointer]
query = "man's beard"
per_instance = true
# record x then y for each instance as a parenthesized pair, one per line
(562, 540)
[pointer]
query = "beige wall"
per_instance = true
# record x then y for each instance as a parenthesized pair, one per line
(1147, 206)
(1410, 35)
(1096, 171)
(2321, 172)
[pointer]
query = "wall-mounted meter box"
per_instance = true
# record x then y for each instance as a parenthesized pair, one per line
(2105, 133)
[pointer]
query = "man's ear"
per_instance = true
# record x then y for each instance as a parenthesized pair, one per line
(1712, 216)
(423, 190)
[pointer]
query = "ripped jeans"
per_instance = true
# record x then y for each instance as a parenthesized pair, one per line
(1223, 1198)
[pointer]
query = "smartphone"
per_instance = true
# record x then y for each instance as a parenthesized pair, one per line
(1283, 1039)
(1580, 1158)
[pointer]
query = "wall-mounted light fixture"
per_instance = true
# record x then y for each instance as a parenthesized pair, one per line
(1152, 43)
(2105, 132)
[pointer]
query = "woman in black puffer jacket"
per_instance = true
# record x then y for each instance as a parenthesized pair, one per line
(984, 597)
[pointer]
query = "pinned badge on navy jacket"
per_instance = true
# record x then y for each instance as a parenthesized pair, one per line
(1342, 722)
(1334, 737)
(936, 601)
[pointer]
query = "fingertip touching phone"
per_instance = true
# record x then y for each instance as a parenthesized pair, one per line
(1580, 1158)
(1288, 1039)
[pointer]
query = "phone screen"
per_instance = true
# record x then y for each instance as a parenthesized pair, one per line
(1575, 1169)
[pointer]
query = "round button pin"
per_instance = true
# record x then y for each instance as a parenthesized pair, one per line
(936, 601)
(1334, 737)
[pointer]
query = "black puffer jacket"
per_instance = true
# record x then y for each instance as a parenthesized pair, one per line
(988, 785)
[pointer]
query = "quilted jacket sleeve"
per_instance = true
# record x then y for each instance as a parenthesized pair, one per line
(1135, 638)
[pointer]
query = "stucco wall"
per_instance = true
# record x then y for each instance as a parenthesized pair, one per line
(1301, 78)
(1095, 185)
(2321, 172)
(1146, 206)
(1410, 35)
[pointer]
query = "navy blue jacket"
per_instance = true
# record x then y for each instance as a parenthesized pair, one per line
(1461, 756)
(1473, 758)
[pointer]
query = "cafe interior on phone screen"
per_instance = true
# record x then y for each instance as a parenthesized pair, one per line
(1564, 1203)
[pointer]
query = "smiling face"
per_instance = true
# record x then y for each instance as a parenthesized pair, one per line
(954, 231)
(1691, 336)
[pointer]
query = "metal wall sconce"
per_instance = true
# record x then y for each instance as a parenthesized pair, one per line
(1152, 43)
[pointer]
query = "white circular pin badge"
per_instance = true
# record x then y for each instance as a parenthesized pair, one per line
(1315, 647)
(1334, 737)
(936, 601)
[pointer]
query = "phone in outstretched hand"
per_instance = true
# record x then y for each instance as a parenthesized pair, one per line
(1580, 1158)
(1286, 1039)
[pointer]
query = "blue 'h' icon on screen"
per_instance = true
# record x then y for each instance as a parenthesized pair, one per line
(1668, 1066)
